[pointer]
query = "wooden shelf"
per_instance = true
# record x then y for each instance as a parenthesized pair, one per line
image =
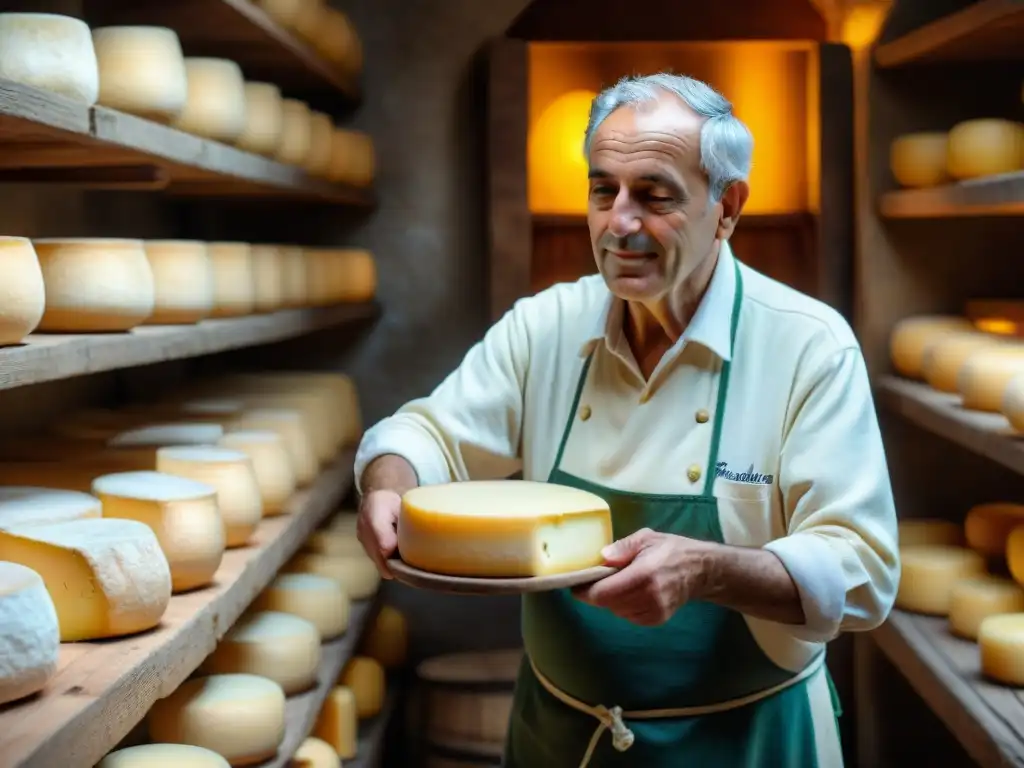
(49, 139)
(372, 733)
(47, 357)
(987, 718)
(987, 434)
(1001, 195)
(983, 31)
(302, 710)
(103, 689)
(238, 30)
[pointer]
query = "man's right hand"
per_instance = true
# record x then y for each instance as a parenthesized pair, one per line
(377, 527)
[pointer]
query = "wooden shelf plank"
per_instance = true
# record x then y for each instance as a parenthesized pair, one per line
(47, 357)
(45, 131)
(1001, 195)
(103, 689)
(987, 434)
(983, 31)
(372, 733)
(987, 718)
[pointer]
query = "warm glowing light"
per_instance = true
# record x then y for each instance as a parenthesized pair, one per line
(998, 325)
(557, 167)
(863, 22)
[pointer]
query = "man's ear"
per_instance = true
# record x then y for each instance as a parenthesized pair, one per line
(732, 203)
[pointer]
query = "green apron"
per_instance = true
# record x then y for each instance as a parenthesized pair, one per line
(703, 656)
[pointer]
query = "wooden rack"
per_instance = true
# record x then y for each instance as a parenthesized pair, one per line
(1001, 195)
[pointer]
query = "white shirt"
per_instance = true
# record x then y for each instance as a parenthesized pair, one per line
(802, 469)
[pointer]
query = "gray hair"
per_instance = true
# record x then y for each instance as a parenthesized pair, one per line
(726, 144)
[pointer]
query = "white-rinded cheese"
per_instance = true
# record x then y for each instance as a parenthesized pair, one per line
(183, 281)
(94, 285)
(356, 574)
(919, 159)
(945, 356)
(182, 513)
(928, 531)
(368, 682)
(240, 717)
(278, 646)
(182, 433)
(986, 373)
(338, 722)
(231, 473)
(387, 640)
(107, 578)
(163, 756)
(267, 277)
(291, 426)
(264, 120)
(985, 147)
(234, 284)
(321, 141)
(510, 528)
(293, 276)
(317, 599)
(296, 133)
(270, 462)
(974, 599)
(987, 526)
(215, 107)
(929, 573)
(912, 335)
(51, 52)
(1001, 641)
(316, 753)
(142, 71)
(29, 633)
(1013, 403)
(328, 542)
(26, 505)
(22, 296)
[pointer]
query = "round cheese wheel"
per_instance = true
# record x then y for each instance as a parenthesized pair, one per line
(293, 272)
(317, 599)
(356, 574)
(1001, 642)
(240, 717)
(29, 633)
(985, 147)
(22, 505)
(319, 420)
(22, 296)
(271, 463)
(338, 722)
(945, 356)
(264, 119)
(94, 285)
(163, 756)
(234, 280)
(215, 108)
(987, 526)
(352, 158)
(387, 640)
(267, 278)
(182, 281)
(1013, 403)
(314, 753)
(919, 159)
(973, 600)
(1015, 551)
(289, 13)
(142, 71)
(928, 576)
(297, 132)
(164, 435)
(337, 41)
(321, 137)
(368, 682)
(291, 426)
(915, 533)
(318, 283)
(911, 336)
(353, 275)
(51, 52)
(985, 375)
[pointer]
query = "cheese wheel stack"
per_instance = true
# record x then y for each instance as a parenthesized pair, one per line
(971, 149)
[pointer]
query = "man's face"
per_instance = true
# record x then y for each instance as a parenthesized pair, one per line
(651, 221)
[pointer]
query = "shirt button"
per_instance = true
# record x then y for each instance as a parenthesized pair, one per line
(693, 473)
(585, 412)
(645, 397)
(702, 416)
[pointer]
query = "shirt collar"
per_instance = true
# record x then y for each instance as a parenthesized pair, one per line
(710, 326)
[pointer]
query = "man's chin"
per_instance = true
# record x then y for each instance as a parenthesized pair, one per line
(634, 287)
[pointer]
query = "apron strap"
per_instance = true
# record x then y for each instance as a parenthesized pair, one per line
(572, 412)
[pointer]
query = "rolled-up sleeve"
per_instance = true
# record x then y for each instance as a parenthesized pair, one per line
(841, 547)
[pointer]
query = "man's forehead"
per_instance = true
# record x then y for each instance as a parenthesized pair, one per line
(667, 117)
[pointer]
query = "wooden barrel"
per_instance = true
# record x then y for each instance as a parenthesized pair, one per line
(464, 703)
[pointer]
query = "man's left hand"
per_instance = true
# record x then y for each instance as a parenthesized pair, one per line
(659, 573)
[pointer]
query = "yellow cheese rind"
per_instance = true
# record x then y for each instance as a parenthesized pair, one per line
(22, 293)
(29, 633)
(215, 106)
(1013, 403)
(263, 119)
(271, 463)
(163, 756)
(182, 279)
(368, 682)
(944, 357)
(503, 528)
(919, 159)
(987, 526)
(317, 599)
(387, 639)
(1001, 643)
(142, 71)
(972, 600)
(356, 574)
(984, 147)
(316, 753)
(22, 505)
(927, 531)
(929, 573)
(289, 424)
(985, 375)
(234, 283)
(338, 722)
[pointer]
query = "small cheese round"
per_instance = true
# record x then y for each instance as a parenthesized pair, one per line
(271, 463)
(291, 426)
(1001, 641)
(987, 526)
(973, 599)
(387, 640)
(234, 283)
(264, 120)
(215, 107)
(926, 531)
(985, 147)
(182, 513)
(22, 295)
(293, 267)
(985, 375)
(328, 542)
(182, 433)
(279, 646)
(919, 159)
(315, 753)
(296, 133)
(338, 722)
(267, 277)
(352, 275)
(929, 573)
(911, 336)
(321, 135)
(51, 52)
(29, 633)
(22, 505)
(163, 756)
(368, 681)
(142, 71)
(944, 357)
(317, 599)
(183, 280)
(356, 574)
(1013, 403)
(240, 717)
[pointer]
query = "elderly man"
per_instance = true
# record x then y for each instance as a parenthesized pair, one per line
(728, 421)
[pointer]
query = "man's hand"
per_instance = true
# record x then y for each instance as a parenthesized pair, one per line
(660, 572)
(377, 527)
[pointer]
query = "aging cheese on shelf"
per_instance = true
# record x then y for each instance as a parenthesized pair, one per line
(231, 474)
(317, 161)
(327, 542)
(163, 756)
(502, 528)
(986, 374)
(267, 277)
(278, 646)
(368, 682)
(987, 526)
(929, 573)
(974, 599)
(142, 71)
(387, 640)
(1001, 642)
(29, 633)
(27, 505)
(293, 276)
(338, 722)
(356, 574)
(94, 285)
(945, 356)
(352, 275)
(318, 420)
(166, 435)
(182, 513)
(317, 599)
(911, 336)
(337, 41)
(290, 13)
(240, 717)
(270, 462)
(290, 425)
(1013, 403)
(22, 296)
(985, 147)
(215, 107)
(51, 52)
(264, 120)
(296, 132)
(234, 283)
(913, 533)
(919, 159)
(352, 158)
(107, 578)
(316, 753)
(183, 281)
